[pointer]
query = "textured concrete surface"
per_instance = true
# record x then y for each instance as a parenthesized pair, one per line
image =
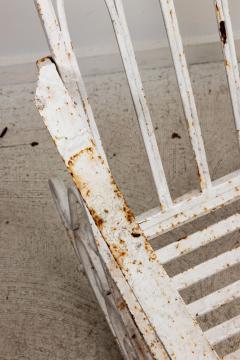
(47, 310)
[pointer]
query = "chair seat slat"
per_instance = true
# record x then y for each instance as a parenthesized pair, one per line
(194, 205)
(233, 356)
(198, 239)
(223, 331)
(215, 299)
(207, 269)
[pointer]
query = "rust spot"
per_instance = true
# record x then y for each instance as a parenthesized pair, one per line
(93, 143)
(117, 192)
(226, 63)
(128, 214)
(39, 9)
(88, 192)
(135, 234)
(122, 305)
(118, 253)
(151, 253)
(223, 33)
(69, 55)
(101, 159)
(202, 181)
(85, 104)
(217, 8)
(43, 59)
(74, 157)
(106, 211)
(97, 219)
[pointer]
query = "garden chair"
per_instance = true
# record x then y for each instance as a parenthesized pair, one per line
(141, 302)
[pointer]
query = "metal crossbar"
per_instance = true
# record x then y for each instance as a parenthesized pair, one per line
(140, 301)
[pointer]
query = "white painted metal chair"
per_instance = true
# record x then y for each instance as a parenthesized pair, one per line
(141, 303)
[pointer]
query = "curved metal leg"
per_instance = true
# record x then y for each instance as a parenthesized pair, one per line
(79, 226)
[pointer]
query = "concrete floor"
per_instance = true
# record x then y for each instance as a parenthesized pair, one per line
(47, 310)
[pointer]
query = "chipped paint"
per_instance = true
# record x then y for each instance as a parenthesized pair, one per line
(230, 56)
(134, 255)
(147, 293)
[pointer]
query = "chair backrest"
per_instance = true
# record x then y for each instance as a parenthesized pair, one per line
(213, 194)
(79, 144)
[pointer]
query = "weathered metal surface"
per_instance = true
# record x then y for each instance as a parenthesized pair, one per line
(224, 331)
(233, 356)
(148, 280)
(230, 57)
(198, 239)
(146, 303)
(58, 37)
(191, 206)
(120, 321)
(206, 269)
(214, 300)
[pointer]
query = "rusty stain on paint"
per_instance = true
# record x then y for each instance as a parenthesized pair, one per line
(223, 33)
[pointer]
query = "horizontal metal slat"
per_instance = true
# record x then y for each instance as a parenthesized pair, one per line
(198, 239)
(193, 205)
(206, 269)
(215, 299)
(223, 331)
(233, 356)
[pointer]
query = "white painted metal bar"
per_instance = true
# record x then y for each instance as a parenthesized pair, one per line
(58, 37)
(117, 15)
(117, 278)
(215, 300)
(191, 206)
(229, 51)
(206, 269)
(159, 300)
(223, 331)
(233, 356)
(183, 78)
(78, 76)
(198, 239)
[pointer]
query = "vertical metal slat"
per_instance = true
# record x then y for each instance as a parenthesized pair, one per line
(183, 78)
(230, 57)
